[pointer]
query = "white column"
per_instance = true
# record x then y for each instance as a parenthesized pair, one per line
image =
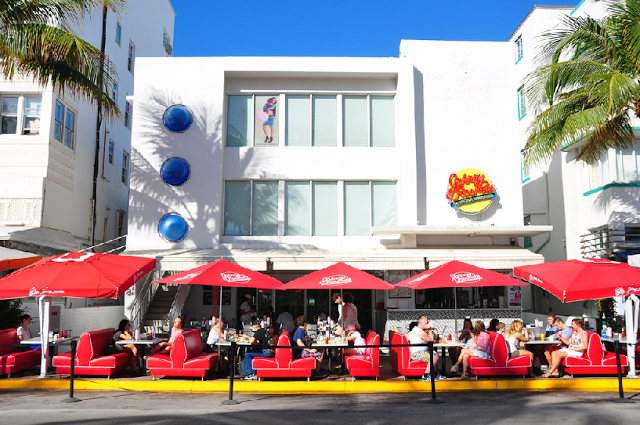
(45, 313)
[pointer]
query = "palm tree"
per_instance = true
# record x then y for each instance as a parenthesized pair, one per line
(587, 89)
(30, 45)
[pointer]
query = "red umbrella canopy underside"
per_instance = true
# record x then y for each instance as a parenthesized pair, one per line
(223, 273)
(579, 280)
(338, 276)
(456, 274)
(77, 274)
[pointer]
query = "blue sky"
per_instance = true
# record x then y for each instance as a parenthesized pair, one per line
(338, 28)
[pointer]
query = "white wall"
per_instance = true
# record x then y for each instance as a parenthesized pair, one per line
(199, 201)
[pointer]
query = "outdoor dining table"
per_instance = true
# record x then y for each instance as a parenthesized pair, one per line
(443, 345)
(331, 346)
(143, 343)
(545, 341)
(52, 343)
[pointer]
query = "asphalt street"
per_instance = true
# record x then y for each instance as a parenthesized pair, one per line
(473, 408)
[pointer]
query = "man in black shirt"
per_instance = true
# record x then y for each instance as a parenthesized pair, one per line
(261, 337)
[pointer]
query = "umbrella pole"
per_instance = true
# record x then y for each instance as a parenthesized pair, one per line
(45, 308)
(219, 323)
(455, 311)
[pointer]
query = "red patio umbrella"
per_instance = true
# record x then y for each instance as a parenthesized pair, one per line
(456, 274)
(338, 276)
(223, 273)
(77, 274)
(579, 280)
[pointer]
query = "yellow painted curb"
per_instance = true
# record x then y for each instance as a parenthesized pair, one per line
(324, 387)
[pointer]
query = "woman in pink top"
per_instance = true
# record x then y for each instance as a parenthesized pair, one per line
(482, 349)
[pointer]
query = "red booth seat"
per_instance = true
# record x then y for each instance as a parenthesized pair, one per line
(400, 357)
(186, 358)
(89, 356)
(367, 364)
(11, 360)
(594, 361)
(283, 365)
(500, 362)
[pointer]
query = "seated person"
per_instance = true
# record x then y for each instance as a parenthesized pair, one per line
(165, 347)
(215, 333)
(481, 350)
(418, 339)
(262, 337)
(564, 332)
(23, 333)
(493, 325)
(516, 335)
(124, 333)
(358, 341)
(463, 336)
(300, 340)
(577, 345)
(501, 328)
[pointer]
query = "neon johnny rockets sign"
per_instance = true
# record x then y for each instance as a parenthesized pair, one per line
(470, 191)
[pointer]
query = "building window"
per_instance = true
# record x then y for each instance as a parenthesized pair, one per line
(114, 92)
(118, 32)
(528, 240)
(121, 226)
(518, 46)
(599, 172)
(112, 146)
(522, 107)
(125, 167)
(64, 128)
(524, 168)
(311, 120)
(628, 163)
(310, 207)
(166, 42)
(132, 56)
(20, 109)
(127, 115)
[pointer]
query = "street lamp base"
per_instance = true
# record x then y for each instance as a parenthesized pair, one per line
(70, 400)
(229, 402)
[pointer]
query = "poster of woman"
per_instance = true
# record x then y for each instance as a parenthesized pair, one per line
(266, 121)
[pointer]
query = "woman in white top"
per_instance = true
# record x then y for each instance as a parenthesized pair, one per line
(214, 333)
(23, 332)
(577, 345)
(515, 336)
(358, 341)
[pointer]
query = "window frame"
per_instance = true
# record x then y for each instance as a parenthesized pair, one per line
(63, 125)
(118, 36)
(15, 115)
(524, 169)
(635, 148)
(21, 114)
(127, 114)
(25, 115)
(522, 106)
(114, 91)
(131, 56)
(126, 165)
(111, 148)
(519, 49)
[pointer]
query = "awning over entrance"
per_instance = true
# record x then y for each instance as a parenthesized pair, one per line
(14, 259)
(490, 257)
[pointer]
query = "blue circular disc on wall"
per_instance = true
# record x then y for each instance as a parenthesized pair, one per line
(177, 118)
(173, 228)
(175, 171)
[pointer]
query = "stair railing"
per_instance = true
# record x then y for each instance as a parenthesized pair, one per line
(143, 300)
(179, 303)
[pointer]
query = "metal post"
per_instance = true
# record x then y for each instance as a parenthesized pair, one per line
(232, 372)
(431, 372)
(616, 343)
(71, 398)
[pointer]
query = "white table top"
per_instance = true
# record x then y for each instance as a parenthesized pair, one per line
(141, 341)
(545, 342)
(37, 340)
(449, 344)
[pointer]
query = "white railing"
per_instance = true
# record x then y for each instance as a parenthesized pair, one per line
(143, 300)
(179, 303)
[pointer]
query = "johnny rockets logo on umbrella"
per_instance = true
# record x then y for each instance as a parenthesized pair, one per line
(35, 292)
(187, 276)
(335, 280)
(470, 191)
(621, 291)
(465, 277)
(233, 277)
